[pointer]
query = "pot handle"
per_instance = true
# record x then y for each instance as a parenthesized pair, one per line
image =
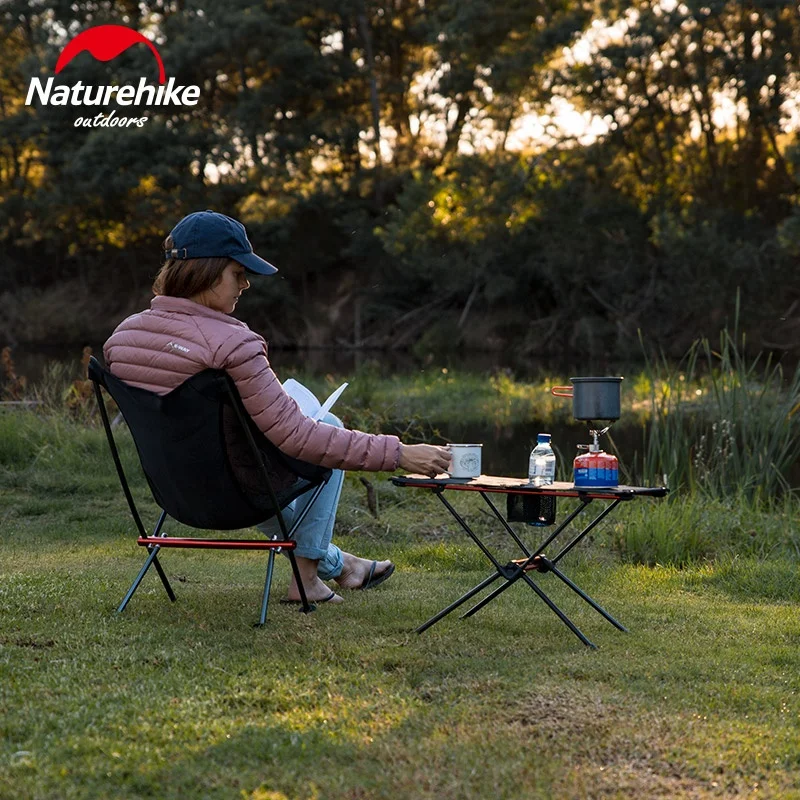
(561, 391)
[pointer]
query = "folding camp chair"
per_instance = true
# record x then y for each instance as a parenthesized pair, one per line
(182, 439)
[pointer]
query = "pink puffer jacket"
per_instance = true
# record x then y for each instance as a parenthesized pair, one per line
(160, 348)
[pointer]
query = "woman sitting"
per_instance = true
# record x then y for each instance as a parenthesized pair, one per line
(188, 328)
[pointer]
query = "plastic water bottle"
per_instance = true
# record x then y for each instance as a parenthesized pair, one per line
(542, 464)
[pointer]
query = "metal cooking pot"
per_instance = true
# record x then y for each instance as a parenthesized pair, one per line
(592, 398)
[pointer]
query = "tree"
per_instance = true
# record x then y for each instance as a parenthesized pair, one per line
(694, 97)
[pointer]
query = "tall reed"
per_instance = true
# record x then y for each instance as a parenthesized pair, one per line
(721, 423)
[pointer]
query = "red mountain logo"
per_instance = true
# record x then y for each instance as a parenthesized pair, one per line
(105, 42)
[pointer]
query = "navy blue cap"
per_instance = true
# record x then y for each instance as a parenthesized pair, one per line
(207, 234)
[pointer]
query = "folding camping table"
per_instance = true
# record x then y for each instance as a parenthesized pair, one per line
(533, 560)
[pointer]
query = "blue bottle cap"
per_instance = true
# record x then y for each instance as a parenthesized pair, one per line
(543, 437)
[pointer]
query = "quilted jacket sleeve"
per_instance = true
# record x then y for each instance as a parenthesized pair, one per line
(244, 356)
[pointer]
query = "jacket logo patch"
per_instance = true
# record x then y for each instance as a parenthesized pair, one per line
(178, 347)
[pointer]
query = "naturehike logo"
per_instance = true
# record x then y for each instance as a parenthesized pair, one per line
(106, 42)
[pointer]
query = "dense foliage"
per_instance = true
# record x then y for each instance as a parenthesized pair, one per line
(380, 151)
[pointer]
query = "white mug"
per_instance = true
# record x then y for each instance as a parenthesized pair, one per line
(465, 460)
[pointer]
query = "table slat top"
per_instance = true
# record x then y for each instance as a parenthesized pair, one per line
(506, 485)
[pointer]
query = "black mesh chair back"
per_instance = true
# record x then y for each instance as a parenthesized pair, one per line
(182, 449)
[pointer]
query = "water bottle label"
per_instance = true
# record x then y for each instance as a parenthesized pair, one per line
(542, 470)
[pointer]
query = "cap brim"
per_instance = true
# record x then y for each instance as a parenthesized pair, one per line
(253, 263)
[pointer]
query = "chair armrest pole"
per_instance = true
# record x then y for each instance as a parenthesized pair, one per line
(296, 524)
(117, 463)
(236, 402)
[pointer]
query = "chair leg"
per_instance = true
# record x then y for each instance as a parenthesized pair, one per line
(306, 607)
(157, 563)
(152, 559)
(142, 572)
(163, 576)
(267, 585)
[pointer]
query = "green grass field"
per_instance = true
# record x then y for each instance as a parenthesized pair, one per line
(188, 699)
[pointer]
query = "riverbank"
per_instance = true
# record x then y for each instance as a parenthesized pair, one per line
(716, 421)
(77, 311)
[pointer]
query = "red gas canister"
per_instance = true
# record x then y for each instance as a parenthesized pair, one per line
(596, 469)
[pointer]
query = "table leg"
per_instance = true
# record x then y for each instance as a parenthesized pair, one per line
(470, 532)
(604, 513)
(463, 599)
(509, 530)
(491, 596)
(550, 604)
(557, 532)
(548, 566)
(559, 613)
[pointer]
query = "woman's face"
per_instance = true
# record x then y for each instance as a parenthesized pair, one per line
(223, 295)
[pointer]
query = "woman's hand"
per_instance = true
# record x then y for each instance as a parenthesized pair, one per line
(427, 459)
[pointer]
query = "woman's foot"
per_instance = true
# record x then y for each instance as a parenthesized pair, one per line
(359, 573)
(316, 590)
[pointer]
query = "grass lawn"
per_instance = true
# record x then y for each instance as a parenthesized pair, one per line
(699, 700)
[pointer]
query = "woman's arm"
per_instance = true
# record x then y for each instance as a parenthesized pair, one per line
(279, 418)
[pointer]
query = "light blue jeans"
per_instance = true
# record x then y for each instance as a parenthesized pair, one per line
(314, 535)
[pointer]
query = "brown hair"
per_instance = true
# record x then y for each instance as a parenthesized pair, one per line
(186, 277)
